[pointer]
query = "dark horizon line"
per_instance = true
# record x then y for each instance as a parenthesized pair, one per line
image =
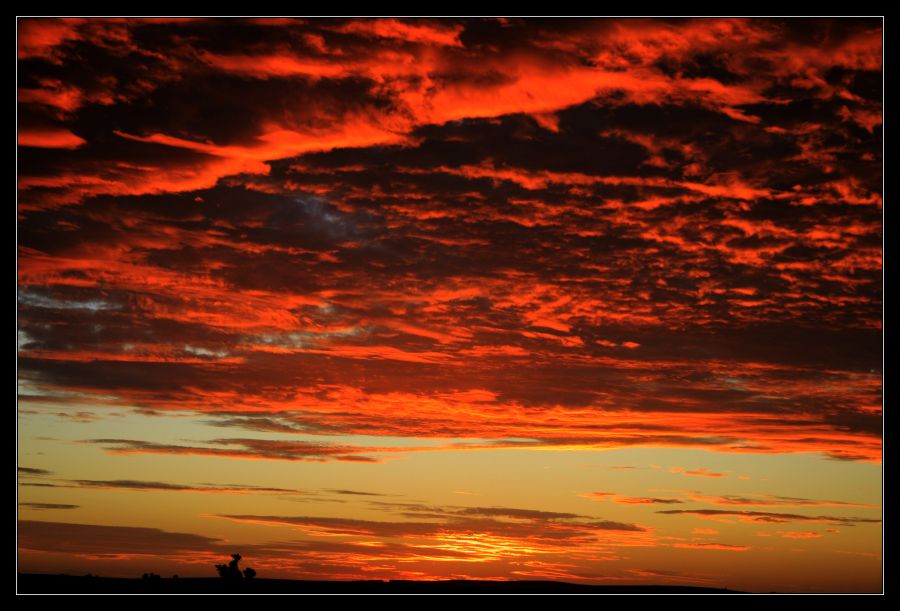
(59, 583)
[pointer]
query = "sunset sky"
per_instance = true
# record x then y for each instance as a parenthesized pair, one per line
(590, 300)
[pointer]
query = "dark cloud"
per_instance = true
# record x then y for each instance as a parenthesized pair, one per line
(458, 514)
(458, 521)
(673, 223)
(33, 471)
(243, 448)
(46, 506)
(769, 500)
(165, 486)
(354, 492)
(772, 517)
(61, 537)
(632, 500)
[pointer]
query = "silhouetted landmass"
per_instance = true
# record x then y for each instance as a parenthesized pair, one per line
(68, 584)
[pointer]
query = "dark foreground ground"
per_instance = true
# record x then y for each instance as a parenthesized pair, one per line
(67, 584)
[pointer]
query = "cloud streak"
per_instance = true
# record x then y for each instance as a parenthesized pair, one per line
(770, 516)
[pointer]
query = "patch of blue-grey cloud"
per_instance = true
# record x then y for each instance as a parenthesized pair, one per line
(300, 340)
(38, 300)
(206, 352)
(316, 218)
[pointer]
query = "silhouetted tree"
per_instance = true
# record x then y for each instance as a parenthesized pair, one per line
(232, 572)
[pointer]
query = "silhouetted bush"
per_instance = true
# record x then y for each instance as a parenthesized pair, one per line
(232, 572)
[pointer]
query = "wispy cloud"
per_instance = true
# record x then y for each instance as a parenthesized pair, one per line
(771, 517)
(33, 471)
(631, 500)
(47, 506)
